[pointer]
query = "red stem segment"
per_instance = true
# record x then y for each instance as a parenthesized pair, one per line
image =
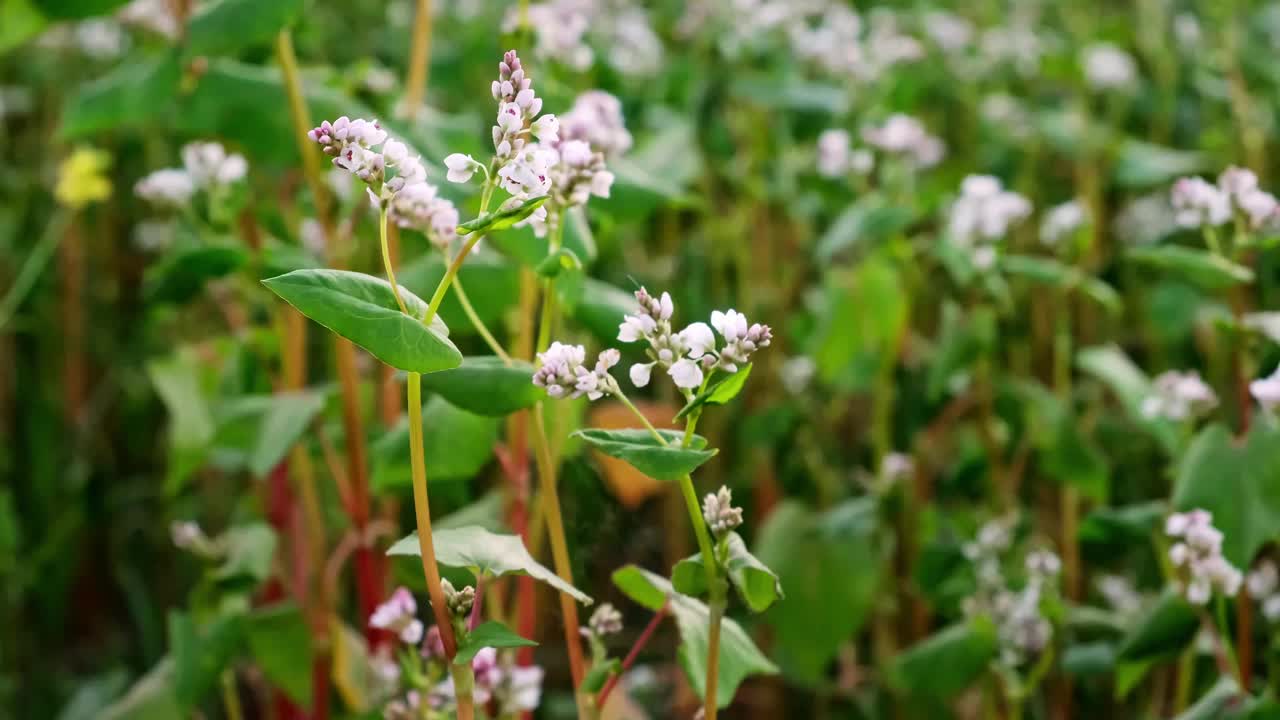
(641, 641)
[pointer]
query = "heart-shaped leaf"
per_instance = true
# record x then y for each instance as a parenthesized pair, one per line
(719, 394)
(280, 642)
(489, 634)
(501, 219)
(287, 417)
(1204, 269)
(757, 585)
(486, 386)
(486, 553)
(458, 442)
(739, 657)
(643, 451)
(1237, 481)
(948, 662)
(363, 309)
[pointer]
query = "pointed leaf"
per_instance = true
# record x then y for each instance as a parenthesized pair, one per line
(486, 386)
(1203, 268)
(1111, 366)
(288, 416)
(643, 451)
(739, 657)
(1166, 630)
(502, 219)
(719, 394)
(948, 662)
(757, 585)
(1214, 704)
(486, 553)
(152, 697)
(249, 551)
(458, 442)
(489, 634)
(363, 309)
(280, 642)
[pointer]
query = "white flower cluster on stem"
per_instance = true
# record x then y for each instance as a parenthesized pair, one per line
(686, 354)
(563, 373)
(1198, 559)
(363, 148)
(718, 510)
(563, 30)
(1062, 221)
(985, 211)
(906, 137)
(399, 615)
(1179, 396)
(206, 166)
(1023, 631)
(1198, 203)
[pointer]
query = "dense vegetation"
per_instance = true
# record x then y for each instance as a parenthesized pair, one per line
(608, 359)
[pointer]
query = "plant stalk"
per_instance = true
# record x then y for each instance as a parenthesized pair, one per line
(422, 511)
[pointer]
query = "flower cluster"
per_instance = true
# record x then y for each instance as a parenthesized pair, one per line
(399, 615)
(459, 602)
(511, 689)
(1197, 557)
(1023, 630)
(718, 510)
(983, 214)
(1267, 391)
(1062, 221)
(420, 207)
(837, 157)
(188, 535)
(1263, 584)
(563, 29)
(563, 373)
(1179, 396)
(596, 118)
(685, 354)
(904, 136)
(206, 166)
(606, 620)
(1198, 203)
(1107, 67)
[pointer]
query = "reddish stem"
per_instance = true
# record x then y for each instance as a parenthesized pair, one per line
(641, 641)
(474, 621)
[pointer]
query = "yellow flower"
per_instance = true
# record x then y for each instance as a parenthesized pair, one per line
(82, 178)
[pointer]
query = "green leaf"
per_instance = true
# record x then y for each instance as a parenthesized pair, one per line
(486, 553)
(127, 96)
(597, 305)
(280, 641)
(1089, 659)
(1125, 526)
(757, 585)
(1239, 482)
(489, 634)
(869, 219)
(182, 275)
(76, 9)
(559, 261)
(719, 394)
(287, 418)
(1200, 267)
(1050, 271)
(227, 26)
(363, 309)
(1214, 704)
(177, 380)
(1144, 165)
(831, 568)
(1166, 630)
(948, 662)
(459, 444)
(200, 653)
(1110, 365)
(20, 20)
(852, 342)
(501, 219)
(492, 284)
(642, 451)
(739, 657)
(152, 697)
(487, 386)
(95, 694)
(249, 551)
(599, 674)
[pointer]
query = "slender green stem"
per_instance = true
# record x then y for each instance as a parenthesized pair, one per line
(452, 272)
(422, 510)
(1224, 636)
(32, 267)
(717, 606)
(386, 259)
(231, 695)
(1185, 678)
(648, 425)
(477, 323)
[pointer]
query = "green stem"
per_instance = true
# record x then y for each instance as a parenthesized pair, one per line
(422, 511)
(32, 267)
(477, 323)
(464, 683)
(648, 426)
(231, 695)
(1224, 635)
(386, 259)
(452, 272)
(1185, 677)
(717, 606)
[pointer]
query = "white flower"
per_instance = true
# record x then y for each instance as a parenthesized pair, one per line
(636, 327)
(797, 373)
(169, 187)
(1179, 396)
(905, 135)
(397, 615)
(1063, 220)
(1198, 559)
(563, 373)
(732, 324)
(596, 117)
(985, 210)
(686, 373)
(1241, 188)
(419, 206)
(1198, 203)
(640, 373)
(546, 128)
(1263, 581)
(1107, 67)
(1267, 390)
(719, 512)
(699, 340)
(834, 149)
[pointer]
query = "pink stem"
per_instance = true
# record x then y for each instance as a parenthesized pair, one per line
(474, 620)
(631, 656)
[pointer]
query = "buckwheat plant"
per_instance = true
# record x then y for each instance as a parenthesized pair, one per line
(207, 189)
(1202, 576)
(708, 364)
